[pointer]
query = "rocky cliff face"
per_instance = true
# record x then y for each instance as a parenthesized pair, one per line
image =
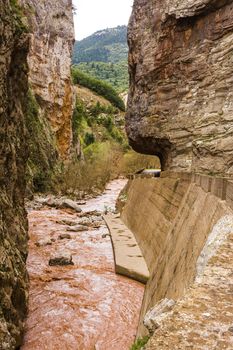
(13, 156)
(181, 86)
(52, 35)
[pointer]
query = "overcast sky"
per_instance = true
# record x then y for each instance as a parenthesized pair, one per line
(93, 15)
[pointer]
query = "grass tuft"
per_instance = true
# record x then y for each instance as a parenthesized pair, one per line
(140, 342)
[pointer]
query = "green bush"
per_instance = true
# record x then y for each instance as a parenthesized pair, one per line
(18, 17)
(78, 118)
(98, 86)
(89, 138)
(140, 343)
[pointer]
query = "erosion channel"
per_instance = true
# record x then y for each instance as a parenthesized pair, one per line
(84, 305)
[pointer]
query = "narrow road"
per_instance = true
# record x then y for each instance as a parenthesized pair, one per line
(84, 306)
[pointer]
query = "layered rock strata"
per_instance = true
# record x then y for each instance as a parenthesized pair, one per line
(181, 86)
(51, 44)
(13, 157)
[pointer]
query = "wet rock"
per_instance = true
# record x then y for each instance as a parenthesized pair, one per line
(158, 313)
(96, 218)
(44, 242)
(66, 222)
(93, 221)
(69, 204)
(96, 224)
(63, 203)
(49, 201)
(61, 258)
(82, 202)
(64, 236)
(86, 222)
(78, 228)
(91, 213)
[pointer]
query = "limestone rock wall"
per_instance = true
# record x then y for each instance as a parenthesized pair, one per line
(181, 87)
(51, 44)
(13, 157)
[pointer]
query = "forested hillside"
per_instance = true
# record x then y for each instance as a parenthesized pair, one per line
(104, 56)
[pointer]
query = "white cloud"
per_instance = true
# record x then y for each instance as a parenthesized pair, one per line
(93, 15)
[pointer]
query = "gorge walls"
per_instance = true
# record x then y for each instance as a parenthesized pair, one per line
(180, 109)
(13, 156)
(51, 44)
(181, 86)
(50, 98)
(36, 105)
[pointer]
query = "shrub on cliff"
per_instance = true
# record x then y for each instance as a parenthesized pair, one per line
(98, 86)
(42, 150)
(96, 123)
(140, 343)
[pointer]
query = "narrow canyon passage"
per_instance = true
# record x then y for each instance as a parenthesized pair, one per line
(84, 306)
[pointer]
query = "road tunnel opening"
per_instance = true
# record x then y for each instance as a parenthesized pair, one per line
(160, 148)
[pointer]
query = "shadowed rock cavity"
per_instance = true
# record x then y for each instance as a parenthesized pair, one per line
(180, 66)
(155, 147)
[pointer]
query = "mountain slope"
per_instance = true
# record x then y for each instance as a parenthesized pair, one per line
(108, 45)
(104, 55)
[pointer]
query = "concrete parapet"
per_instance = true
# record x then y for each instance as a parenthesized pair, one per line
(219, 186)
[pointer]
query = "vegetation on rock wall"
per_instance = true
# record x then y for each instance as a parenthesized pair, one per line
(97, 120)
(42, 149)
(18, 18)
(140, 343)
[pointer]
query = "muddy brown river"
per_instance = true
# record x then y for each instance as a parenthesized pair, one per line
(84, 306)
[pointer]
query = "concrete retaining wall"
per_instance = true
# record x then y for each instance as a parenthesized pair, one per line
(171, 218)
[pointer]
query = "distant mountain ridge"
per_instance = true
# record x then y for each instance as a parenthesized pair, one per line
(104, 55)
(108, 45)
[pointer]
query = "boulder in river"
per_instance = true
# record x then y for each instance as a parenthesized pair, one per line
(77, 228)
(64, 236)
(61, 258)
(92, 221)
(44, 242)
(90, 213)
(67, 222)
(62, 203)
(68, 203)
